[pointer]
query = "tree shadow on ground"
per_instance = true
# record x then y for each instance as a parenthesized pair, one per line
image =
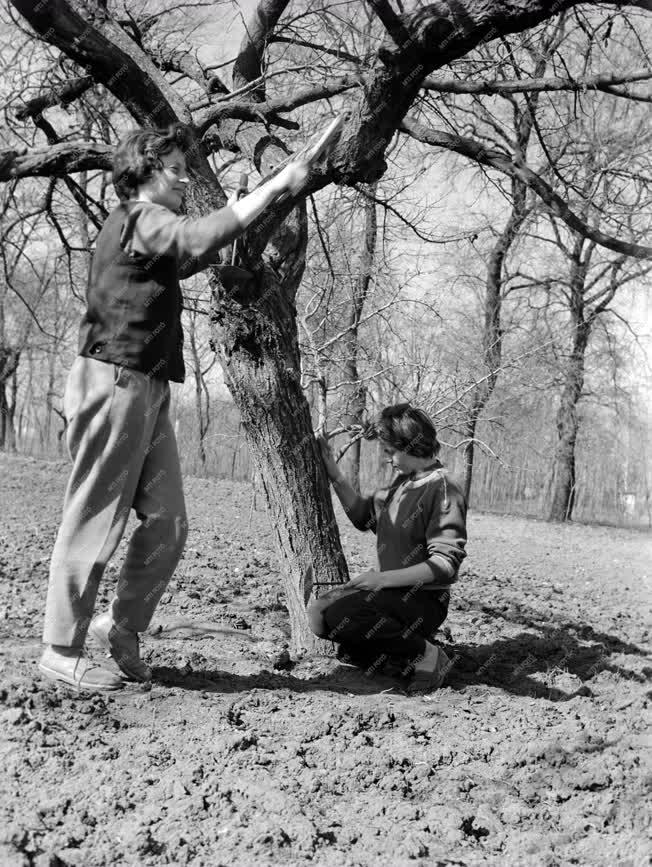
(555, 661)
(559, 650)
(518, 613)
(340, 680)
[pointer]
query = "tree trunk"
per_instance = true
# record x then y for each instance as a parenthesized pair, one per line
(197, 375)
(260, 359)
(564, 480)
(9, 359)
(492, 334)
(468, 451)
(357, 393)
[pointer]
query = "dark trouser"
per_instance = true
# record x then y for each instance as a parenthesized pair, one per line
(374, 625)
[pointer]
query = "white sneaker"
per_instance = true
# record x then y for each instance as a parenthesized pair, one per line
(70, 665)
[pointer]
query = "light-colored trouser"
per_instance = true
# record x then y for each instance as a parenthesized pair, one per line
(125, 456)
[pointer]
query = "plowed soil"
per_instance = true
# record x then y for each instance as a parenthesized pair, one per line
(532, 753)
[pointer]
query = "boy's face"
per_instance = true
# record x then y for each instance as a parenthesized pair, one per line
(168, 184)
(402, 461)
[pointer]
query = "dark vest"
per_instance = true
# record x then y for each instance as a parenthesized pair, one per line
(133, 315)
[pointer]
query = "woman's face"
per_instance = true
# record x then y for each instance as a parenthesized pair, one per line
(168, 184)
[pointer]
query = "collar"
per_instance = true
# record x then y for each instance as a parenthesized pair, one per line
(410, 483)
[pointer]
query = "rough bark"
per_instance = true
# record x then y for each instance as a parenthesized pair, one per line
(356, 397)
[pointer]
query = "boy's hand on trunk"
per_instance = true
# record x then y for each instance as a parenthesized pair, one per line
(370, 580)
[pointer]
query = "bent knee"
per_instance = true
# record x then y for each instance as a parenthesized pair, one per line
(337, 617)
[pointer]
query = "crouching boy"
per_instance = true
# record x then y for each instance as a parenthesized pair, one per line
(420, 527)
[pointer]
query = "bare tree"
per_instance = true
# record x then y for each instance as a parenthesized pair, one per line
(255, 322)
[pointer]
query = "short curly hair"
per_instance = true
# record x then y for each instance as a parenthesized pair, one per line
(407, 429)
(139, 153)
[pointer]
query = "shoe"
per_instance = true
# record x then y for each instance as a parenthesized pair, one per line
(122, 644)
(352, 657)
(73, 667)
(429, 672)
(344, 658)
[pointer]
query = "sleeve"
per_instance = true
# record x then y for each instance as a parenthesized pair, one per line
(446, 531)
(154, 230)
(363, 514)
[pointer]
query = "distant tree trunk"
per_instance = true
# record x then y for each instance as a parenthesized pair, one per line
(9, 359)
(492, 332)
(564, 479)
(357, 393)
(203, 418)
(492, 338)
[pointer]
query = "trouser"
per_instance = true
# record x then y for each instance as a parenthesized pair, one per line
(375, 625)
(125, 456)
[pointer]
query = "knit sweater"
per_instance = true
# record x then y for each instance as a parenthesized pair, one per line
(415, 522)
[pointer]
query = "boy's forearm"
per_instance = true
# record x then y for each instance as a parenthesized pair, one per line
(349, 498)
(420, 573)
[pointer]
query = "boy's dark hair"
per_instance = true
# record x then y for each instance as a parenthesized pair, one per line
(140, 152)
(406, 429)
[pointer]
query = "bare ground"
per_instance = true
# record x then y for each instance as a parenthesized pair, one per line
(533, 753)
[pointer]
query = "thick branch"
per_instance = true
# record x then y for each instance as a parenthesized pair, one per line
(249, 62)
(500, 161)
(61, 94)
(101, 46)
(55, 161)
(391, 22)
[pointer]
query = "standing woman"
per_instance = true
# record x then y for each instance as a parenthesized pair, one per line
(116, 403)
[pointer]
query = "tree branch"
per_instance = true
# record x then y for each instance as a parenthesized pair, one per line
(536, 85)
(268, 111)
(61, 94)
(391, 22)
(56, 160)
(249, 62)
(497, 160)
(101, 46)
